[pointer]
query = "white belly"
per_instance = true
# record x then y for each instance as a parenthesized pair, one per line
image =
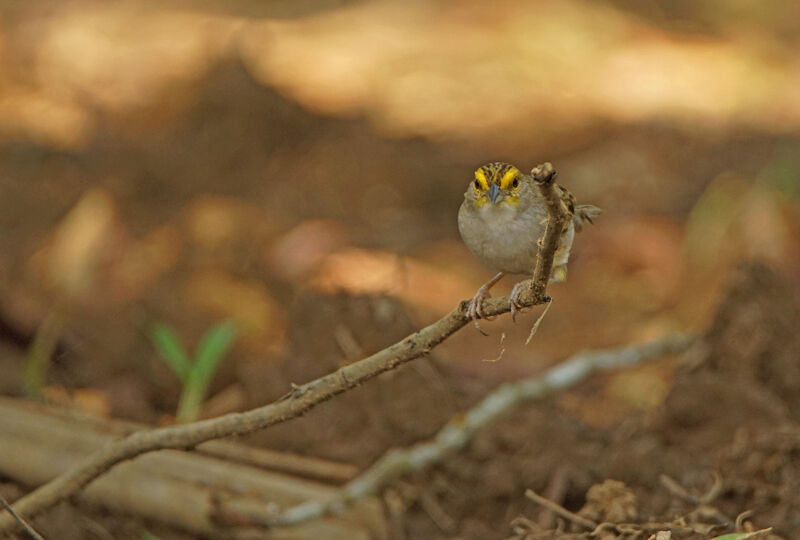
(506, 240)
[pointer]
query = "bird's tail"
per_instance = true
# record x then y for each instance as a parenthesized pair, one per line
(584, 212)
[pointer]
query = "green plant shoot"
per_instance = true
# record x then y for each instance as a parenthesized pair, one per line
(41, 349)
(195, 374)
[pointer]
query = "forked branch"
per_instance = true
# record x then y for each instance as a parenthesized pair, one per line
(301, 398)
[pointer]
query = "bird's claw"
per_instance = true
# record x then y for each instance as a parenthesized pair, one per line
(475, 309)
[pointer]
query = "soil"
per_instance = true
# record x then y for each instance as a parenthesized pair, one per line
(727, 424)
(327, 241)
(727, 435)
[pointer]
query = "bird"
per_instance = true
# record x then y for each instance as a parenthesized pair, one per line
(501, 221)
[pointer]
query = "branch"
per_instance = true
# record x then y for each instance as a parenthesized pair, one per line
(544, 176)
(22, 523)
(560, 510)
(301, 398)
(182, 489)
(460, 429)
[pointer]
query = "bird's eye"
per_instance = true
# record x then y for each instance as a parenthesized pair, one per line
(477, 185)
(515, 183)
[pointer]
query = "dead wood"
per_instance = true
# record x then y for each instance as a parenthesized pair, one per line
(196, 491)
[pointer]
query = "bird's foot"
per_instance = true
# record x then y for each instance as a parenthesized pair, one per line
(475, 308)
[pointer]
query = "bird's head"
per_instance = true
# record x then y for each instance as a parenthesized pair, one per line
(497, 183)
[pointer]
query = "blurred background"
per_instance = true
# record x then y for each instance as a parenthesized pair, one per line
(296, 167)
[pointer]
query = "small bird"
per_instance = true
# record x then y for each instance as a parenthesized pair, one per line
(501, 220)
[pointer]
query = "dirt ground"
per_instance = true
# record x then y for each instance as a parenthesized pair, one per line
(728, 428)
(327, 237)
(727, 435)
(728, 416)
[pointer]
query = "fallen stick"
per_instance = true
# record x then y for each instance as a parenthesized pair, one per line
(30, 531)
(560, 510)
(327, 471)
(459, 431)
(183, 489)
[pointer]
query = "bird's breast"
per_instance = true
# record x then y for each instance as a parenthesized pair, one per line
(502, 236)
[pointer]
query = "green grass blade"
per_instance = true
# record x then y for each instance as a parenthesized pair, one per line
(212, 348)
(172, 352)
(40, 351)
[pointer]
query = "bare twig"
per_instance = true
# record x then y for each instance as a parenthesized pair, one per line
(460, 429)
(502, 350)
(714, 490)
(633, 529)
(672, 485)
(560, 510)
(539, 319)
(756, 534)
(556, 490)
(739, 523)
(544, 175)
(431, 506)
(306, 466)
(24, 524)
(302, 398)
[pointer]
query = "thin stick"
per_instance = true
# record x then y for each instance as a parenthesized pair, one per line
(28, 529)
(756, 534)
(672, 485)
(560, 510)
(739, 523)
(461, 428)
(556, 490)
(301, 398)
(544, 176)
(539, 320)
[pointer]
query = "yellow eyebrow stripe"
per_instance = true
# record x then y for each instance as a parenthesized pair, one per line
(508, 177)
(480, 176)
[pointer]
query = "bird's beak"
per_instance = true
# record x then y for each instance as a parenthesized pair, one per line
(494, 193)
